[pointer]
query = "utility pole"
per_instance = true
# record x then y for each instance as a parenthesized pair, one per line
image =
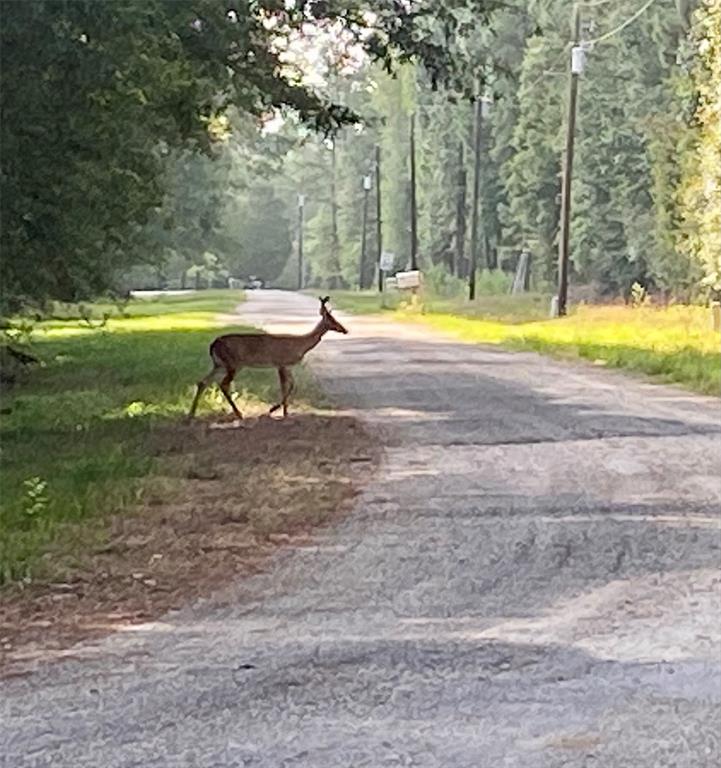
(379, 233)
(478, 124)
(414, 210)
(567, 174)
(367, 181)
(460, 213)
(301, 203)
(335, 276)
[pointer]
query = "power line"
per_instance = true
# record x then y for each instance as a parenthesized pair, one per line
(597, 3)
(600, 39)
(621, 27)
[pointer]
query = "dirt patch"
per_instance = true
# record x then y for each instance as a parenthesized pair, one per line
(227, 497)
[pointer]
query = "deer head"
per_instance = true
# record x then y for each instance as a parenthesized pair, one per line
(328, 321)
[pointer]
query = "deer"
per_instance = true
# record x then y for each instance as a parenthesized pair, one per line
(234, 351)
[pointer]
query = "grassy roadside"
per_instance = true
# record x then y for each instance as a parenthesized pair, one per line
(217, 504)
(504, 308)
(75, 436)
(675, 344)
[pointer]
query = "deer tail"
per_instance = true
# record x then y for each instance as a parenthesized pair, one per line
(219, 354)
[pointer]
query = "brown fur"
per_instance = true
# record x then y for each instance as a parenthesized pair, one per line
(234, 351)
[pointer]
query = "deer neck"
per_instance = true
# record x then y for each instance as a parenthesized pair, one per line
(313, 338)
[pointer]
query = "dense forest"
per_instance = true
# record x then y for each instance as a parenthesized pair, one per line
(167, 143)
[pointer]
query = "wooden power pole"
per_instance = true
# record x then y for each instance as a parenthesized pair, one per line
(567, 174)
(335, 276)
(460, 214)
(367, 182)
(414, 209)
(301, 276)
(379, 232)
(478, 124)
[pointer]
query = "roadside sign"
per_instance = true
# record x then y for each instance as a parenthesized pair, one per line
(387, 260)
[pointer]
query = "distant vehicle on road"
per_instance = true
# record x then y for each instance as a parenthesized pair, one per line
(254, 283)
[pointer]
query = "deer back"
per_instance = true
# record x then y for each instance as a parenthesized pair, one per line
(238, 350)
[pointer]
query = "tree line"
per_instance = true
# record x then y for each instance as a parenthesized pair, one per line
(137, 141)
(646, 204)
(100, 100)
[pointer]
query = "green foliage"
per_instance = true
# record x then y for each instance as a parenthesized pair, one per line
(77, 437)
(394, 98)
(440, 282)
(532, 169)
(131, 146)
(699, 190)
(491, 282)
(642, 208)
(102, 100)
(35, 498)
(255, 233)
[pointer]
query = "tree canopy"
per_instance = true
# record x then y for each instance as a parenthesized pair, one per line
(646, 193)
(139, 133)
(96, 96)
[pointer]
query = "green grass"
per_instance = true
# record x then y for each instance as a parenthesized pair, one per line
(75, 435)
(361, 302)
(510, 309)
(675, 344)
(202, 301)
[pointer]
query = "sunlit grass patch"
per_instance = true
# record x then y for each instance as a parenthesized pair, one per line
(221, 300)
(176, 321)
(502, 308)
(80, 426)
(505, 308)
(676, 344)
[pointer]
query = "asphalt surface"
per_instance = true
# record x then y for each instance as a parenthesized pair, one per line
(531, 580)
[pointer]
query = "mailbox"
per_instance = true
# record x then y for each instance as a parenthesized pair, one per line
(410, 279)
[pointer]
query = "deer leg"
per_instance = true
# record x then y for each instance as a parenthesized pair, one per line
(283, 378)
(225, 389)
(203, 384)
(290, 386)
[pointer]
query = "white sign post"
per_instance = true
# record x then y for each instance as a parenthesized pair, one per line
(387, 260)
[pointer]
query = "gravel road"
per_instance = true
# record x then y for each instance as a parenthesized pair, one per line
(531, 580)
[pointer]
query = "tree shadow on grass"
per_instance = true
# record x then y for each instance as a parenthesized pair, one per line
(81, 429)
(213, 506)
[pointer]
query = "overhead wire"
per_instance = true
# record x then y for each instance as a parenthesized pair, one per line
(621, 26)
(599, 39)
